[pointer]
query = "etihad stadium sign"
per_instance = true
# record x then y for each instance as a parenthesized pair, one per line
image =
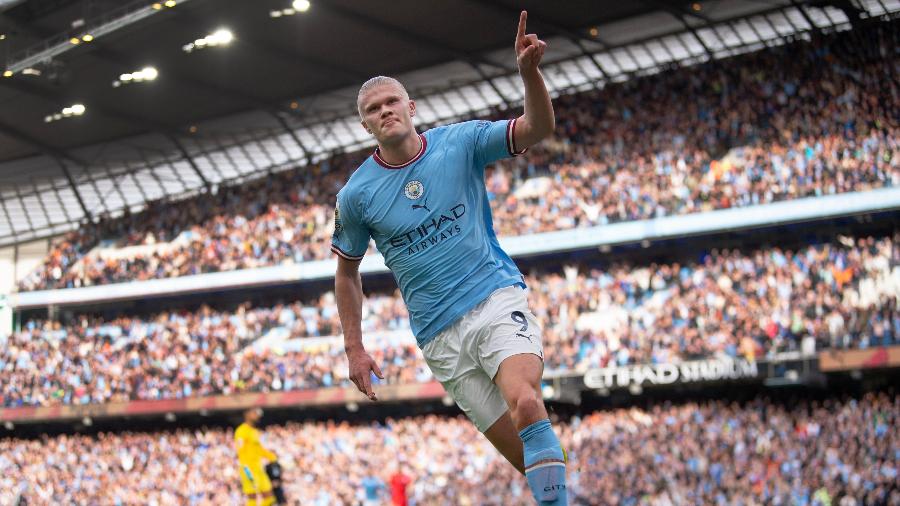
(667, 374)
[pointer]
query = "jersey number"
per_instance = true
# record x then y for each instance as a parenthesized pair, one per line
(519, 317)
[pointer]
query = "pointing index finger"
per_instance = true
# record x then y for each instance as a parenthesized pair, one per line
(522, 18)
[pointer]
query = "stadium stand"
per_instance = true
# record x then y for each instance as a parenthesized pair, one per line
(835, 451)
(723, 368)
(762, 127)
(732, 303)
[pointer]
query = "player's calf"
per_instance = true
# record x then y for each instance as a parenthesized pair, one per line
(545, 464)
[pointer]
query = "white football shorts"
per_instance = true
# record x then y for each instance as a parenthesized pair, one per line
(466, 356)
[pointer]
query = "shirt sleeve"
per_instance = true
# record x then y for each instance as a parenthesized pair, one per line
(494, 141)
(351, 237)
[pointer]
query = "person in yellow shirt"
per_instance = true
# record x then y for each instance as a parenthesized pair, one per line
(251, 453)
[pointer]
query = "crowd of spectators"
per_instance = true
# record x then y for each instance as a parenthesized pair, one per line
(810, 118)
(730, 304)
(809, 453)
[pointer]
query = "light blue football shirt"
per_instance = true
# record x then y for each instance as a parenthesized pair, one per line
(431, 220)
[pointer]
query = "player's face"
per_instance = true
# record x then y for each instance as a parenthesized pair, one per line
(387, 113)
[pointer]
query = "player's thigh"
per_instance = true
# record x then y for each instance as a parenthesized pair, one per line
(478, 397)
(452, 362)
(510, 337)
(445, 356)
(519, 376)
(255, 479)
(262, 479)
(248, 486)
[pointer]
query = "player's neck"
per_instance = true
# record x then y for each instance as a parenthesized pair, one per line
(402, 151)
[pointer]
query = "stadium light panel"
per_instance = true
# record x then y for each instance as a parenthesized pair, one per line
(145, 74)
(7, 73)
(170, 3)
(297, 6)
(157, 6)
(150, 73)
(87, 37)
(2, 36)
(75, 41)
(220, 37)
(67, 112)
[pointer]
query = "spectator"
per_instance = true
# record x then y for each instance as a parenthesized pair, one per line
(730, 304)
(715, 452)
(806, 119)
(400, 483)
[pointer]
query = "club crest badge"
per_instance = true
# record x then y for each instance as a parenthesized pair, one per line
(414, 190)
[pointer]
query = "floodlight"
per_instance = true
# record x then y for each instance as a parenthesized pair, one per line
(150, 73)
(221, 36)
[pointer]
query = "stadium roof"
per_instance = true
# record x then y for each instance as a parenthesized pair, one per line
(282, 93)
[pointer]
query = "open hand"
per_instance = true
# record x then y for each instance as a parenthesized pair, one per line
(529, 48)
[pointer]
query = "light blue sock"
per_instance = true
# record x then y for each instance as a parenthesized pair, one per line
(545, 465)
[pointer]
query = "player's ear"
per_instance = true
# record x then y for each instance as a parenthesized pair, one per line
(412, 108)
(364, 125)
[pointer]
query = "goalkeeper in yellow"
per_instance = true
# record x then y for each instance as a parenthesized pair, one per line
(251, 453)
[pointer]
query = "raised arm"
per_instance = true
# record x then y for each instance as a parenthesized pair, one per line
(538, 121)
(349, 295)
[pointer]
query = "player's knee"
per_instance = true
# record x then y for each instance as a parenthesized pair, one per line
(528, 408)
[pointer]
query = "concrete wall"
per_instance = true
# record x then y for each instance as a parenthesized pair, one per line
(15, 263)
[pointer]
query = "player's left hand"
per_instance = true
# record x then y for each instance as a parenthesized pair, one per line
(362, 365)
(529, 48)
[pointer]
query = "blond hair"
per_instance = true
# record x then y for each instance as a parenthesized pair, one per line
(374, 83)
